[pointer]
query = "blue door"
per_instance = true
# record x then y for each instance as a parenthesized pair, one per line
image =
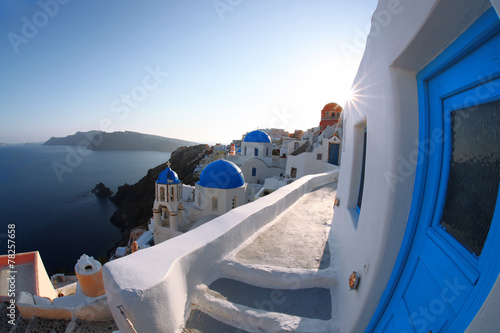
(333, 153)
(454, 253)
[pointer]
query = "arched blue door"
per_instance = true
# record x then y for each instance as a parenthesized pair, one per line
(333, 153)
(454, 258)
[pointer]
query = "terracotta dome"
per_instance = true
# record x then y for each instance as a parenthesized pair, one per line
(332, 107)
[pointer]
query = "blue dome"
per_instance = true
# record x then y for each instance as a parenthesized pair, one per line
(221, 174)
(168, 176)
(257, 136)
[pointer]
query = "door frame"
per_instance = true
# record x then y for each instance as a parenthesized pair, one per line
(480, 31)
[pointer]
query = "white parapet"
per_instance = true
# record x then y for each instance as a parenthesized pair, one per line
(153, 288)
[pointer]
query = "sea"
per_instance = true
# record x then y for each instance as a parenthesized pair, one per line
(46, 195)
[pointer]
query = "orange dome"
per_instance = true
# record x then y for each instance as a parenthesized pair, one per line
(330, 115)
(332, 107)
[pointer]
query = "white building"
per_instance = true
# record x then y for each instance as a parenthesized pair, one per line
(324, 157)
(221, 188)
(256, 159)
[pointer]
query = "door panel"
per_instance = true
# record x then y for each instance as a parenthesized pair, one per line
(333, 154)
(426, 308)
(401, 322)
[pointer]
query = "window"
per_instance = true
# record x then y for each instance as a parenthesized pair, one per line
(319, 157)
(293, 173)
(199, 199)
(215, 203)
(267, 151)
(235, 202)
(256, 152)
(172, 194)
(474, 175)
(245, 150)
(162, 194)
(362, 180)
(254, 172)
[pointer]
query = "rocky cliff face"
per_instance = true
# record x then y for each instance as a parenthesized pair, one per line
(136, 201)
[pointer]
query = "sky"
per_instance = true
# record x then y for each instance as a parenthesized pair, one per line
(199, 70)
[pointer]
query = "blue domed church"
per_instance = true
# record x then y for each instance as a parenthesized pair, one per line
(221, 188)
(256, 158)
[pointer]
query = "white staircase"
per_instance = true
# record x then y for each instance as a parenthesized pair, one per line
(281, 280)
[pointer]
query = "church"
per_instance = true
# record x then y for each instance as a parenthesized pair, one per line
(179, 208)
(256, 158)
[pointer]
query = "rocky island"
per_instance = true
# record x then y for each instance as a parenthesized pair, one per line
(102, 191)
(99, 140)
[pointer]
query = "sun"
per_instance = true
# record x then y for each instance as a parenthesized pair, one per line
(351, 94)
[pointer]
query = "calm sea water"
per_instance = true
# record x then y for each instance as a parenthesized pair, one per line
(58, 215)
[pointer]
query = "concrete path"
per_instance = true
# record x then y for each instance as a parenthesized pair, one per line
(298, 237)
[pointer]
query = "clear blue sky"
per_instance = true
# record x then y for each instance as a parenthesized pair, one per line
(203, 70)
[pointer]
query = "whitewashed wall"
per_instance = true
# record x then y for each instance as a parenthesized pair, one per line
(369, 242)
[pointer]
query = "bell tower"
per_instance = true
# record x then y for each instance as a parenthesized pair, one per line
(168, 195)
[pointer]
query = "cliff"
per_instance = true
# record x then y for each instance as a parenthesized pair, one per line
(136, 201)
(98, 140)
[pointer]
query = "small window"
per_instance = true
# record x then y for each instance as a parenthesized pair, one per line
(293, 173)
(235, 202)
(254, 172)
(162, 194)
(267, 151)
(362, 180)
(245, 150)
(172, 194)
(256, 152)
(215, 203)
(319, 157)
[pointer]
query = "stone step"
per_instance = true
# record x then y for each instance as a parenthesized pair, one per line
(254, 309)
(278, 277)
(199, 322)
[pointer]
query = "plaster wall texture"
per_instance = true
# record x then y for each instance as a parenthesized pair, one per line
(73, 306)
(490, 309)
(45, 287)
(32, 276)
(404, 38)
(155, 286)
